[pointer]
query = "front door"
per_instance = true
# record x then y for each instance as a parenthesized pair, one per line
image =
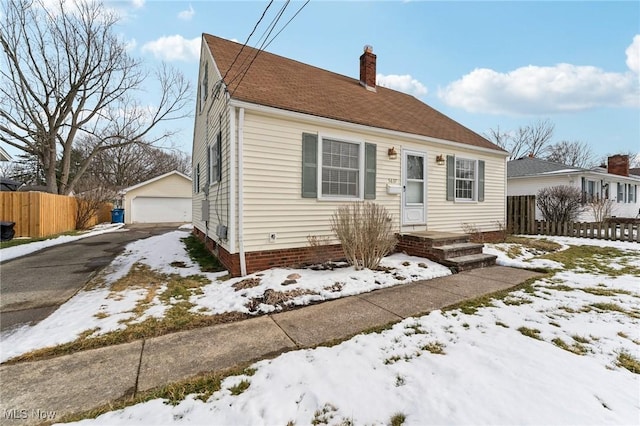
(414, 172)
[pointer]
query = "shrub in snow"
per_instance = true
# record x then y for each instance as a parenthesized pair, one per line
(560, 203)
(365, 232)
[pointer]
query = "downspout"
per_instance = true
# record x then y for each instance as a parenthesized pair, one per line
(243, 263)
(232, 180)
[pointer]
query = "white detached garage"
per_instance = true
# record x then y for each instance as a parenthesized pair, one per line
(165, 198)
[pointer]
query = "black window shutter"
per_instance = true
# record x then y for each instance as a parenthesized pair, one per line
(219, 159)
(369, 171)
(451, 177)
(583, 185)
(209, 177)
(480, 180)
(309, 165)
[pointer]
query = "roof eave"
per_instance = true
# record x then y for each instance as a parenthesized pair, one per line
(234, 102)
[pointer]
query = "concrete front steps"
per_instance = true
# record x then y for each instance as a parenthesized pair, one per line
(449, 249)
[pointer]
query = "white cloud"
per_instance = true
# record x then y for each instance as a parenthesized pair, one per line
(130, 44)
(174, 48)
(545, 90)
(633, 55)
(187, 14)
(137, 4)
(402, 83)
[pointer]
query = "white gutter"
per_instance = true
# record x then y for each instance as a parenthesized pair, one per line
(232, 180)
(243, 262)
(358, 127)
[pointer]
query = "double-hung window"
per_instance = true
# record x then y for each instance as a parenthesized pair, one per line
(633, 193)
(621, 198)
(334, 168)
(341, 168)
(465, 179)
(591, 190)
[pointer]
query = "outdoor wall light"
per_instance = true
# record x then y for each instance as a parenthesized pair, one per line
(393, 154)
(440, 160)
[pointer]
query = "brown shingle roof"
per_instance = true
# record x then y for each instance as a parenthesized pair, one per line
(283, 83)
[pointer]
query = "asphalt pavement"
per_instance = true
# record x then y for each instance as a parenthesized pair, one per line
(34, 286)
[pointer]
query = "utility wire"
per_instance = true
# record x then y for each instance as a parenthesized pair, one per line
(264, 46)
(267, 32)
(248, 38)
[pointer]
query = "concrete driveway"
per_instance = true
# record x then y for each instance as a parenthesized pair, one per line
(35, 285)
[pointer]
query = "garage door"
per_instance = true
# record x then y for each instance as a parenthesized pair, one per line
(160, 209)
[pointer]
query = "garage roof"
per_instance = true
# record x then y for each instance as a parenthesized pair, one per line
(157, 178)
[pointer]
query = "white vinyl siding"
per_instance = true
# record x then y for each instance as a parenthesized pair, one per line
(273, 181)
(212, 121)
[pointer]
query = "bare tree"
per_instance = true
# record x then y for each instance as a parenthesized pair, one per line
(574, 153)
(531, 140)
(634, 158)
(67, 73)
(131, 164)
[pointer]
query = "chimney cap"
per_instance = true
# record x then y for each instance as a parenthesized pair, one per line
(368, 48)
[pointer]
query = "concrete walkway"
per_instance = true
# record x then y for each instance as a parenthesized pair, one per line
(85, 380)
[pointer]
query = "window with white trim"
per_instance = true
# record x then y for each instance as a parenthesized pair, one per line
(465, 188)
(620, 198)
(633, 193)
(204, 86)
(341, 167)
(591, 190)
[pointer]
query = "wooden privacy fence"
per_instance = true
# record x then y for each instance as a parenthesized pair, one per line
(39, 214)
(608, 230)
(521, 219)
(521, 214)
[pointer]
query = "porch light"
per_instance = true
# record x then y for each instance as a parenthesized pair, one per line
(440, 160)
(393, 154)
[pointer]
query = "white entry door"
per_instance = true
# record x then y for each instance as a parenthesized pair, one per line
(414, 172)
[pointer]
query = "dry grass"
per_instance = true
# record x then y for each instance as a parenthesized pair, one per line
(246, 283)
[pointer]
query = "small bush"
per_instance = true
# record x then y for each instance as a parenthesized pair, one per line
(366, 232)
(601, 208)
(560, 203)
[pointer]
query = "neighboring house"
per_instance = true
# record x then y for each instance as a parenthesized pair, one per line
(526, 176)
(279, 145)
(165, 198)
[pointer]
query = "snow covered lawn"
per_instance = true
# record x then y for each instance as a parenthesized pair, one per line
(155, 276)
(558, 351)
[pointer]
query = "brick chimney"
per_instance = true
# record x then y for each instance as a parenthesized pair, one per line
(368, 68)
(618, 165)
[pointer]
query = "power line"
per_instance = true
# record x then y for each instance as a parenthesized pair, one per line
(264, 35)
(266, 44)
(248, 38)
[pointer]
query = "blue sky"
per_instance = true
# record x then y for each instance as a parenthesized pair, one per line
(485, 64)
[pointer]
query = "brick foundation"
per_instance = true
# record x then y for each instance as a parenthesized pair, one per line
(261, 260)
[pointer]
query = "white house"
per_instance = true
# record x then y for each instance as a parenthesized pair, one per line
(162, 199)
(279, 145)
(526, 176)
